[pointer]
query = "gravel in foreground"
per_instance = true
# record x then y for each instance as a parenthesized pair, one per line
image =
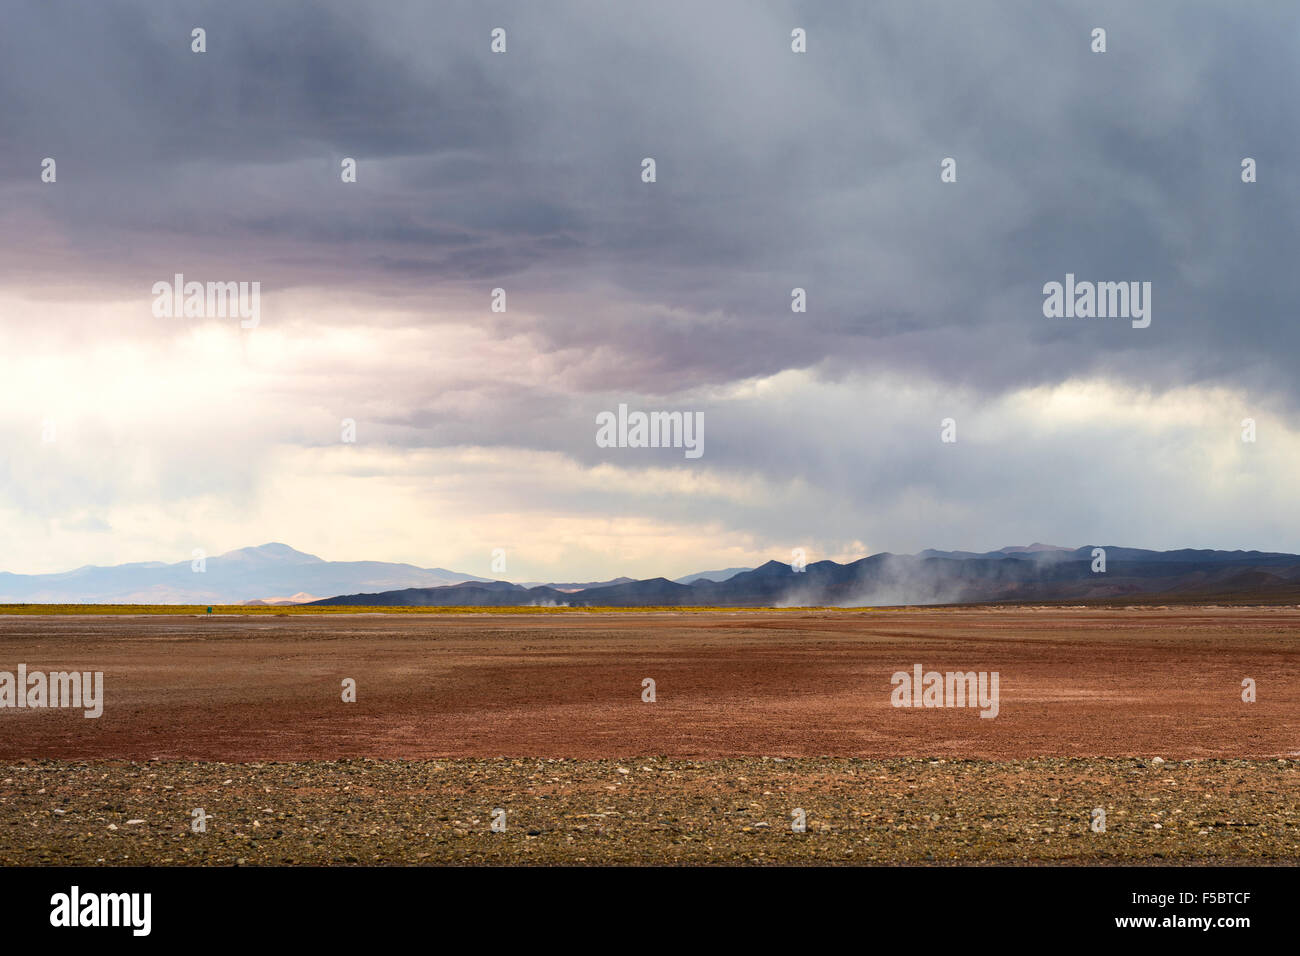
(650, 811)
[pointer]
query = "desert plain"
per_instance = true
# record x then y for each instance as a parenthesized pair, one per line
(760, 720)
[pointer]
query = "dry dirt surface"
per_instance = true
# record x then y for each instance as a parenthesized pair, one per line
(651, 811)
(1072, 683)
(1138, 713)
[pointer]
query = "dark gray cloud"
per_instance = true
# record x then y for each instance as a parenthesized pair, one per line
(775, 170)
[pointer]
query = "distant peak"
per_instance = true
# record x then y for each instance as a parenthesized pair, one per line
(271, 551)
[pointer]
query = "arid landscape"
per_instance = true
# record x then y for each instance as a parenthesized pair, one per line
(1138, 711)
(463, 457)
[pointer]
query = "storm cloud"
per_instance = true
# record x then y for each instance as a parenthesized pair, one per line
(522, 171)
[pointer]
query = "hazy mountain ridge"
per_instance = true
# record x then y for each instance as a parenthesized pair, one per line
(1036, 573)
(724, 574)
(231, 578)
(269, 572)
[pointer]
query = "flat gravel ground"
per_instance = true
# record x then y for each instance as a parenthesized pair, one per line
(1081, 682)
(651, 811)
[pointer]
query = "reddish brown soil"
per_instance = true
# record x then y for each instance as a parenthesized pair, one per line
(1074, 682)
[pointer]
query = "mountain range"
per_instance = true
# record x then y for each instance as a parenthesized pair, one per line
(1034, 573)
(236, 577)
(1038, 572)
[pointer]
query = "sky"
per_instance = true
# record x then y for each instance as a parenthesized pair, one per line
(129, 436)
